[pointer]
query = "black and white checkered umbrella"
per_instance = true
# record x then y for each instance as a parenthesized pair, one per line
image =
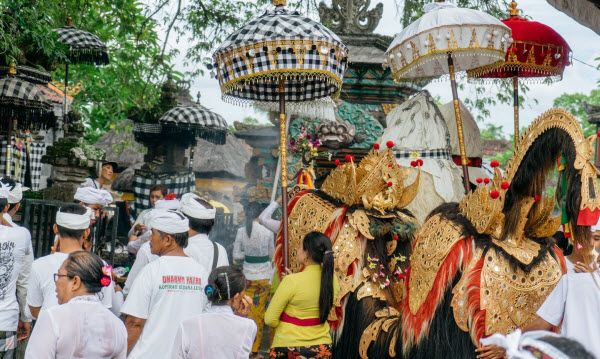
(281, 44)
(25, 102)
(84, 47)
(198, 119)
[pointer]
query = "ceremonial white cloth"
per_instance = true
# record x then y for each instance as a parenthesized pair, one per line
(16, 194)
(260, 244)
(16, 247)
(4, 190)
(216, 333)
(201, 249)
(515, 344)
(42, 288)
(168, 221)
(576, 301)
(81, 328)
(168, 204)
(166, 292)
(195, 209)
(91, 195)
(75, 221)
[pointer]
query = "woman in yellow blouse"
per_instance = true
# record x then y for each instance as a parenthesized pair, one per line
(301, 305)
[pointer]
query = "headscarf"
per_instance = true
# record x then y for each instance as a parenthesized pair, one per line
(171, 222)
(192, 208)
(75, 221)
(90, 195)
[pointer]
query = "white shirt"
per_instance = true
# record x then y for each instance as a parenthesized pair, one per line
(23, 279)
(265, 218)
(144, 256)
(167, 291)
(81, 328)
(141, 219)
(576, 301)
(260, 244)
(134, 246)
(216, 333)
(201, 249)
(42, 288)
(15, 246)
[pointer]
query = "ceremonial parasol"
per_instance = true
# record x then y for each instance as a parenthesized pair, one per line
(84, 47)
(22, 101)
(445, 40)
(538, 52)
(281, 57)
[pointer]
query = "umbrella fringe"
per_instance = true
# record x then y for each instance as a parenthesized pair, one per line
(184, 132)
(507, 70)
(89, 56)
(27, 118)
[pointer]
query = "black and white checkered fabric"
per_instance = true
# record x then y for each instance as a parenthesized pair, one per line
(30, 164)
(438, 153)
(178, 183)
(17, 92)
(83, 46)
(194, 116)
(307, 54)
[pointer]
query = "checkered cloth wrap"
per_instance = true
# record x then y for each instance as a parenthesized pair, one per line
(24, 101)
(83, 46)
(250, 61)
(205, 123)
(183, 183)
(8, 344)
(439, 153)
(38, 149)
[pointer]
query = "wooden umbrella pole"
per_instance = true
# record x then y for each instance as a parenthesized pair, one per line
(516, 104)
(283, 154)
(66, 91)
(461, 138)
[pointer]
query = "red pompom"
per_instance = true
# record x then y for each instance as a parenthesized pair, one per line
(494, 164)
(337, 162)
(598, 134)
(514, 49)
(494, 194)
(401, 276)
(376, 146)
(395, 237)
(105, 281)
(413, 163)
(479, 180)
(549, 51)
(389, 144)
(353, 159)
(486, 180)
(398, 165)
(390, 184)
(504, 185)
(390, 166)
(537, 198)
(420, 162)
(348, 158)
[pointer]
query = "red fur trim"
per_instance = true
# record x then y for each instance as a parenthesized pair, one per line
(476, 316)
(278, 258)
(337, 220)
(561, 258)
(416, 327)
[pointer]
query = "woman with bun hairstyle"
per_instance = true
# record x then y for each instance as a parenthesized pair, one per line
(301, 305)
(222, 331)
(80, 327)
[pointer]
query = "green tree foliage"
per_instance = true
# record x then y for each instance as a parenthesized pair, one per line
(491, 131)
(574, 104)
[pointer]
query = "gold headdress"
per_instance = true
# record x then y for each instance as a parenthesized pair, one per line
(376, 183)
(483, 207)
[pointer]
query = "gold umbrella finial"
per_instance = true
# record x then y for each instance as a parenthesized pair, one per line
(12, 70)
(69, 21)
(513, 9)
(280, 2)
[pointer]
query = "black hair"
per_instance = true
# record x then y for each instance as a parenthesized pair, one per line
(88, 267)
(67, 232)
(571, 348)
(563, 243)
(159, 187)
(252, 211)
(318, 247)
(201, 225)
(224, 283)
(3, 203)
(180, 238)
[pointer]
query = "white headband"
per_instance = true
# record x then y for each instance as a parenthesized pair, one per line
(168, 204)
(16, 194)
(74, 221)
(91, 195)
(4, 190)
(171, 222)
(191, 207)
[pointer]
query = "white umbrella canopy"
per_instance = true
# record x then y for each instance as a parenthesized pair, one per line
(445, 40)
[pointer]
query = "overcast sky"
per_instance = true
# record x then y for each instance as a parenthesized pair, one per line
(577, 77)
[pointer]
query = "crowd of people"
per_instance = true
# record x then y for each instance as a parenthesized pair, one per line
(183, 299)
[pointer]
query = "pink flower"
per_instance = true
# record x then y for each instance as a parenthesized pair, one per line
(105, 281)
(107, 270)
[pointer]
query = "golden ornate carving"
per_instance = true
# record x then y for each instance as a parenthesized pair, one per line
(376, 183)
(387, 107)
(541, 223)
(473, 43)
(436, 239)
(347, 248)
(311, 213)
(511, 296)
(73, 90)
(513, 9)
(12, 70)
(359, 220)
(461, 137)
(452, 44)
(431, 48)
(385, 318)
(283, 147)
(370, 289)
(524, 250)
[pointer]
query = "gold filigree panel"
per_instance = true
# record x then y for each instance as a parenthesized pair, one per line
(435, 241)
(347, 249)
